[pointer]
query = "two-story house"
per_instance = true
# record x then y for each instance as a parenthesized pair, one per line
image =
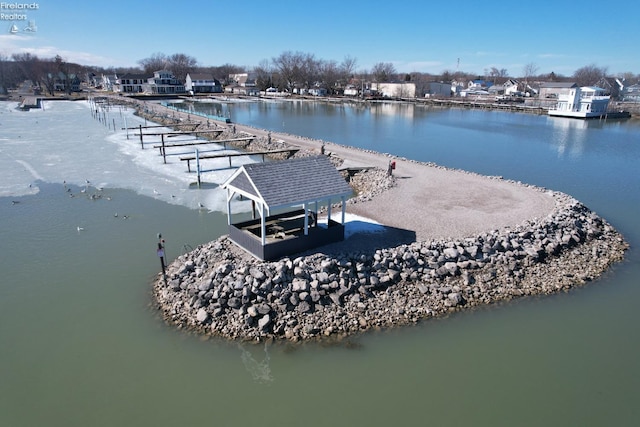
(164, 82)
(202, 83)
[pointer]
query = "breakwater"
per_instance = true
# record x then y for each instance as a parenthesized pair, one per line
(219, 290)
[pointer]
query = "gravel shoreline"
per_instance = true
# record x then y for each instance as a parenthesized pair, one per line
(532, 242)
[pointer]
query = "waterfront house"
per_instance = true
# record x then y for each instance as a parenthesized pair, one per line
(395, 89)
(202, 83)
(165, 83)
(285, 197)
(511, 87)
(438, 89)
(318, 91)
(612, 85)
(582, 102)
(631, 93)
(131, 83)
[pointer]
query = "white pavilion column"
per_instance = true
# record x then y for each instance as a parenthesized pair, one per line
(229, 197)
(263, 225)
(306, 219)
(344, 208)
(328, 212)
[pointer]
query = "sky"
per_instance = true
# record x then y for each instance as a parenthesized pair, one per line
(414, 35)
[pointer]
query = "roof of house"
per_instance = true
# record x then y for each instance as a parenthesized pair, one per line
(202, 76)
(290, 182)
(558, 84)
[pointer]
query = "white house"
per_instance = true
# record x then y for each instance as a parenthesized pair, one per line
(395, 90)
(318, 91)
(164, 82)
(582, 102)
(202, 83)
(131, 83)
(511, 87)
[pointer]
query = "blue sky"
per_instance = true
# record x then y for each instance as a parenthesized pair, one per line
(424, 36)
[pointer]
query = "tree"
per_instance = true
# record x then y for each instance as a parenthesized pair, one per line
(383, 72)
(330, 74)
(156, 62)
(264, 75)
(529, 71)
(348, 67)
(180, 64)
(495, 74)
(296, 68)
(589, 75)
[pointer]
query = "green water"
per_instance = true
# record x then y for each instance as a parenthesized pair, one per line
(81, 344)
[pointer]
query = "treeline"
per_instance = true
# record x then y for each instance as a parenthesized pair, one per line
(284, 72)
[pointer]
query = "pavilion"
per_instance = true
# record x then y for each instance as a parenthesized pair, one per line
(286, 196)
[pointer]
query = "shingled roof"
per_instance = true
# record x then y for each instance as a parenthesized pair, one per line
(289, 182)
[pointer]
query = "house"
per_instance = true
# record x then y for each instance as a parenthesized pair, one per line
(202, 83)
(395, 90)
(131, 83)
(318, 91)
(631, 93)
(552, 90)
(244, 79)
(164, 82)
(511, 87)
(108, 81)
(66, 82)
(612, 85)
(582, 102)
(479, 84)
(438, 89)
(351, 90)
(274, 188)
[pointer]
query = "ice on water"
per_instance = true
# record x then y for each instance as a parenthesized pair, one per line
(64, 143)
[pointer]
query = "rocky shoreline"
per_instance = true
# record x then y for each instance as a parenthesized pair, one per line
(219, 290)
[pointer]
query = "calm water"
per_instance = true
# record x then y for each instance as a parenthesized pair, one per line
(80, 344)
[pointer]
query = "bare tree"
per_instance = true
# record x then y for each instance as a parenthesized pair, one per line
(330, 74)
(348, 68)
(497, 74)
(528, 71)
(157, 61)
(264, 75)
(589, 75)
(296, 68)
(180, 64)
(383, 72)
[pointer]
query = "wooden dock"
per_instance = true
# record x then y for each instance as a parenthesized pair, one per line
(163, 146)
(197, 157)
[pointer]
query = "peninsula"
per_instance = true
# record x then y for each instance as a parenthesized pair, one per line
(447, 240)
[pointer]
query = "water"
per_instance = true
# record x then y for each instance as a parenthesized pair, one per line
(81, 345)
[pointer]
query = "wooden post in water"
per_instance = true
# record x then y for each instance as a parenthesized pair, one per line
(164, 154)
(141, 141)
(198, 167)
(161, 256)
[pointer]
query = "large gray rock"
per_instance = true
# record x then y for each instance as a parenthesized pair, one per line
(202, 315)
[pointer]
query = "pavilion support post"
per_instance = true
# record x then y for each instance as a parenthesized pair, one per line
(263, 224)
(344, 209)
(328, 212)
(306, 219)
(229, 197)
(253, 209)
